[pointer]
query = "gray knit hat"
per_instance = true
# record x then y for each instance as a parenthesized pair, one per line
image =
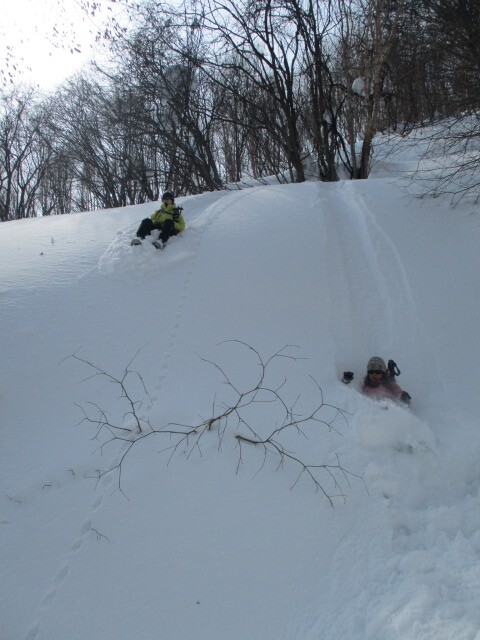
(376, 364)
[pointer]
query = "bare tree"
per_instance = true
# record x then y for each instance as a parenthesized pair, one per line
(368, 33)
(453, 27)
(380, 25)
(324, 95)
(453, 30)
(200, 95)
(260, 43)
(97, 126)
(162, 63)
(24, 153)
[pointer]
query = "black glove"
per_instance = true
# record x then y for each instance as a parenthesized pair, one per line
(393, 369)
(176, 213)
(405, 397)
(347, 377)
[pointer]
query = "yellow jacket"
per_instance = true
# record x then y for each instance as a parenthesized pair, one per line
(166, 212)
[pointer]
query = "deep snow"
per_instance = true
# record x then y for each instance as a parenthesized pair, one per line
(205, 544)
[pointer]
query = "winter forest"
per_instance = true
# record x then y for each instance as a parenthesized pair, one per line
(195, 96)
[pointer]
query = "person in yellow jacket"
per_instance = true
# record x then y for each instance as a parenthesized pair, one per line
(168, 220)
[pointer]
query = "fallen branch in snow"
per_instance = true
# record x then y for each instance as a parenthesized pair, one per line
(100, 536)
(121, 382)
(234, 417)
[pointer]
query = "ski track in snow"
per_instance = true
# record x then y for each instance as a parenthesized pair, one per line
(380, 296)
(200, 227)
(383, 300)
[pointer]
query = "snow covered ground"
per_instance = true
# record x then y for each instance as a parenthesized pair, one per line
(210, 541)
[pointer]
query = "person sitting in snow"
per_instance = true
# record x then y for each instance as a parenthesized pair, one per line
(379, 383)
(168, 220)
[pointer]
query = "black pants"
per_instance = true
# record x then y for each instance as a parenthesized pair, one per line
(166, 229)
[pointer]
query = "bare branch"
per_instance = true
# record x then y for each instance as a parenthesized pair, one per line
(241, 417)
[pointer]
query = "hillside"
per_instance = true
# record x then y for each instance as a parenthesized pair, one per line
(212, 540)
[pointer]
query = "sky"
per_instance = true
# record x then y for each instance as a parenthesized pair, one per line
(207, 540)
(27, 26)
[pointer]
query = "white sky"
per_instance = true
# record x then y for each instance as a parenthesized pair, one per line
(27, 26)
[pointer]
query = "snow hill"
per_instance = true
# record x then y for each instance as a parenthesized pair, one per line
(213, 540)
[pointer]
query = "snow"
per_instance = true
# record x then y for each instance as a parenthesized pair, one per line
(358, 86)
(200, 543)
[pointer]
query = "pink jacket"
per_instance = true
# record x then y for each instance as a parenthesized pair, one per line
(384, 391)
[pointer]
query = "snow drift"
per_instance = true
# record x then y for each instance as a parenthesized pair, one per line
(208, 543)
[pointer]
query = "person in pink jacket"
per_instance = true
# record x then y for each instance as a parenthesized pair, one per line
(379, 383)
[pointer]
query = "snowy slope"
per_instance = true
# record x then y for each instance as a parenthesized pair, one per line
(213, 542)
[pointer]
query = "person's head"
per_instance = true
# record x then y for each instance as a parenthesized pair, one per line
(376, 370)
(168, 197)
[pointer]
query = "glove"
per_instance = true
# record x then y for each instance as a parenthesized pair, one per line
(176, 213)
(347, 377)
(393, 369)
(405, 397)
